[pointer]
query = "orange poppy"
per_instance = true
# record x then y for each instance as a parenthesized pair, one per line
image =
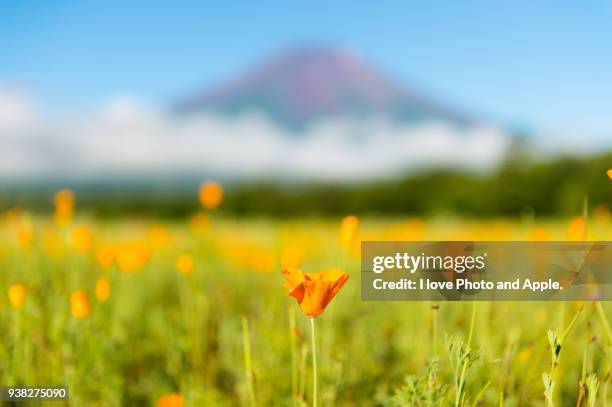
(539, 234)
(79, 304)
(576, 229)
(17, 294)
(103, 289)
(185, 264)
(610, 173)
(314, 291)
(64, 206)
(64, 197)
(82, 238)
(105, 256)
(348, 230)
(211, 194)
(171, 400)
(25, 234)
(132, 256)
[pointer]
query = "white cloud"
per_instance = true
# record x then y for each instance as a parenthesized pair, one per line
(16, 111)
(571, 141)
(126, 137)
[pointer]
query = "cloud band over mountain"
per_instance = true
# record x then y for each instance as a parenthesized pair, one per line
(127, 138)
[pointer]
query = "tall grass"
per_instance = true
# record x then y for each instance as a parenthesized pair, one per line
(222, 335)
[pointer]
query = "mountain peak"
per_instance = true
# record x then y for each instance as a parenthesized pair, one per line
(302, 85)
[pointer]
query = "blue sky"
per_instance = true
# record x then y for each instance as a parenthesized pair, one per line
(541, 64)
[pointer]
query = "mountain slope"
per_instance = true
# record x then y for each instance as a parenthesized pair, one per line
(301, 86)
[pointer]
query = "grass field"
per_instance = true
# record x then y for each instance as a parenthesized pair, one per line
(193, 312)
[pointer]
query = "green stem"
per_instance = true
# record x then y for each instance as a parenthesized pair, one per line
(604, 320)
(314, 362)
(248, 361)
(469, 343)
(16, 341)
(294, 361)
(461, 384)
(434, 310)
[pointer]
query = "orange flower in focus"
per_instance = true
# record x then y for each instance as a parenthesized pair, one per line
(103, 289)
(211, 194)
(185, 264)
(609, 173)
(105, 256)
(64, 206)
(82, 238)
(79, 304)
(132, 256)
(348, 230)
(16, 294)
(314, 291)
(171, 400)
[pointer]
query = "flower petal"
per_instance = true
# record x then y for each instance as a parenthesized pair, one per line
(336, 286)
(298, 293)
(293, 278)
(333, 274)
(312, 276)
(315, 294)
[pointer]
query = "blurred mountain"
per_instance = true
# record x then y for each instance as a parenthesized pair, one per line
(300, 86)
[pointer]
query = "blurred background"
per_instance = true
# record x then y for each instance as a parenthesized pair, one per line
(477, 108)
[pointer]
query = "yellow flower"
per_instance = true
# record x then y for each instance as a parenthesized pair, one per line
(132, 256)
(79, 304)
(211, 194)
(103, 289)
(348, 230)
(105, 256)
(16, 294)
(171, 400)
(82, 238)
(314, 291)
(609, 173)
(185, 264)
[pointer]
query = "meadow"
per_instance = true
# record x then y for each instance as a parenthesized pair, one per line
(142, 311)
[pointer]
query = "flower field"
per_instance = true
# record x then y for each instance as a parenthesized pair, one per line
(196, 312)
